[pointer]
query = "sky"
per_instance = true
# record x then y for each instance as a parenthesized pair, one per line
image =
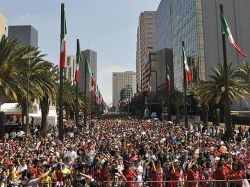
(108, 27)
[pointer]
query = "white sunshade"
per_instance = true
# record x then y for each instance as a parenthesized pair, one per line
(10, 108)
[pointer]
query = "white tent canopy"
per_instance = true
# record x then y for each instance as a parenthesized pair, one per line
(10, 108)
(52, 117)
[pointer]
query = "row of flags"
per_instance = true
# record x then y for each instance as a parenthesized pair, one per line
(95, 92)
(225, 30)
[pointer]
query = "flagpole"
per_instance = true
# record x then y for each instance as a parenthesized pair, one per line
(61, 80)
(77, 87)
(185, 87)
(85, 93)
(227, 109)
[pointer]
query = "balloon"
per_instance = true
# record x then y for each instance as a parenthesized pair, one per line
(223, 149)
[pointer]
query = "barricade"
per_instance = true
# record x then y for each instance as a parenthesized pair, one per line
(200, 183)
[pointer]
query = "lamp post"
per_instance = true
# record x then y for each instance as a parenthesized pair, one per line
(28, 56)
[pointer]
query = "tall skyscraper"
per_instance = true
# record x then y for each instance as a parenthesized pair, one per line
(91, 57)
(70, 68)
(197, 23)
(25, 34)
(146, 41)
(3, 26)
(122, 80)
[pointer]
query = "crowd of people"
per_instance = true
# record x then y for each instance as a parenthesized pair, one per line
(128, 153)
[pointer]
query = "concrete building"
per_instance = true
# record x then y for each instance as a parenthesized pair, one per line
(70, 68)
(122, 80)
(91, 57)
(126, 94)
(3, 25)
(25, 34)
(146, 41)
(197, 23)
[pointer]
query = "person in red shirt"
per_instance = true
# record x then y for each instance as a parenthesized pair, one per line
(129, 175)
(175, 173)
(105, 174)
(193, 175)
(157, 173)
(237, 175)
(220, 174)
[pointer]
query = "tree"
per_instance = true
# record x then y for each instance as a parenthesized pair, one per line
(11, 66)
(213, 90)
(70, 99)
(244, 75)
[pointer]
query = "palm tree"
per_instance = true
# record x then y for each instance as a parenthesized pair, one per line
(244, 75)
(70, 100)
(213, 90)
(11, 64)
(50, 87)
(42, 79)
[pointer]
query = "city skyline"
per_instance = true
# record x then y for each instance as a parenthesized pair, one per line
(108, 26)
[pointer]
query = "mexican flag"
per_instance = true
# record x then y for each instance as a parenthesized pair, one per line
(225, 30)
(87, 67)
(189, 75)
(78, 59)
(168, 79)
(149, 89)
(93, 82)
(63, 38)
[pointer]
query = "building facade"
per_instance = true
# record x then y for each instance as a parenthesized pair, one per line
(70, 68)
(146, 41)
(197, 23)
(120, 81)
(3, 25)
(91, 57)
(164, 61)
(126, 94)
(25, 34)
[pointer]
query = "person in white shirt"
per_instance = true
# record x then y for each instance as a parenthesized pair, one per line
(20, 134)
(22, 166)
(71, 154)
(13, 134)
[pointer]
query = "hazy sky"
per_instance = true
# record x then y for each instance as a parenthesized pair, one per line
(108, 27)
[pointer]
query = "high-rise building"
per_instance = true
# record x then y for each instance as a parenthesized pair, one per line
(70, 68)
(91, 57)
(25, 34)
(146, 41)
(122, 80)
(197, 23)
(3, 26)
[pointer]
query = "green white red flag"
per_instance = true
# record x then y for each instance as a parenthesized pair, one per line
(168, 80)
(188, 72)
(63, 39)
(78, 60)
(225, 30)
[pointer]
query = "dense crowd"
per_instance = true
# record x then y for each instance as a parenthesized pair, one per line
(128, 153)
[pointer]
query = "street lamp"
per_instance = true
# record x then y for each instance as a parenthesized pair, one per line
(28, 56)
